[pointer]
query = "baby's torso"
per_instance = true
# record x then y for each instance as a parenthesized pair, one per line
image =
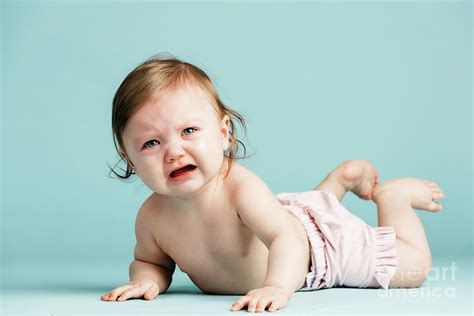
(220, 255)
(218, 252)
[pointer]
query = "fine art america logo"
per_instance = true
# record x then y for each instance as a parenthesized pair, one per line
(439, 283)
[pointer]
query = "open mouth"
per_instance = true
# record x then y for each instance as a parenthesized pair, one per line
(181, 171)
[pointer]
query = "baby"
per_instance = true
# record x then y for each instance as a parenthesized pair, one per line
(221, 224)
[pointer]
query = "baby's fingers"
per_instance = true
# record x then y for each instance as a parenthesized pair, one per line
(136, 291)
(262, 304)
(152, 292)
(241, 303)
(112, 295)
(276, 305)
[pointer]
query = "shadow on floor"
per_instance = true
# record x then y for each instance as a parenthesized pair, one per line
(65, 287)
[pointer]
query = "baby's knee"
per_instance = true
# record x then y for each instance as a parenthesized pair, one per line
(412, 270)
(416, 274)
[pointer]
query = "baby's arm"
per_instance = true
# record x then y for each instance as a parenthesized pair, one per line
(288, 253)
(151, 271)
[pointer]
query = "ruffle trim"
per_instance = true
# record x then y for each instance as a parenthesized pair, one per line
(386, 255)
(315, 278)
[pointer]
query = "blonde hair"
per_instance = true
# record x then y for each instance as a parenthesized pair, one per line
(155, 76)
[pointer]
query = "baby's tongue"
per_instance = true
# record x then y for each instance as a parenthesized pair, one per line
(182, 170)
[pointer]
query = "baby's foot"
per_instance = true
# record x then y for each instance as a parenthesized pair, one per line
(358, 176)
(420, 193)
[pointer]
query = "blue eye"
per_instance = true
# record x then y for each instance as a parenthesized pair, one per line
(189, 128)
(149, 143)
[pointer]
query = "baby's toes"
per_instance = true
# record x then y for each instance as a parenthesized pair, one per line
(433, 186)
(374, 183)
(438, 195)
(434, 207)
(437, 192)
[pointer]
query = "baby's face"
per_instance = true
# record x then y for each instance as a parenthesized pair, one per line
(179, 128)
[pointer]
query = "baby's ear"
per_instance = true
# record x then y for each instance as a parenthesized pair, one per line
(125, 157)
(225, 131)
(122, 154)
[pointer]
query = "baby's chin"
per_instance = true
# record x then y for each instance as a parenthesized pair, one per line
(177, 189)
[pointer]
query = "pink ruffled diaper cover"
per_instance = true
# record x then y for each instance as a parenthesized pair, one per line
(345, 251)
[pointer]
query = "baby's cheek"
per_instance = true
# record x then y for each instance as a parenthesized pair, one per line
(146, 172)
(142, 169)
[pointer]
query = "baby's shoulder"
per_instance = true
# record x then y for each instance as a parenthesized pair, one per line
(149, 210)
(243, 180)
(239, 175)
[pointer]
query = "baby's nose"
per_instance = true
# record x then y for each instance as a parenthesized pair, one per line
(174, 152)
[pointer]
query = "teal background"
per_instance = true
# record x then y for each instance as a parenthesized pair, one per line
(319, 83)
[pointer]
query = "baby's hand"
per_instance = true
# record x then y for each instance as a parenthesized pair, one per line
(258, 300)
(145, 288)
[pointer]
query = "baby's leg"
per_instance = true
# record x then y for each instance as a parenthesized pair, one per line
(358, 176)
(396, 200)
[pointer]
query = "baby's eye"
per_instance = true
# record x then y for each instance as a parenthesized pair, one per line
(150, 143)
(189, 130)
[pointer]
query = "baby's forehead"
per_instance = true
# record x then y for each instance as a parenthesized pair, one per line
(187, 99)
(176, 106)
